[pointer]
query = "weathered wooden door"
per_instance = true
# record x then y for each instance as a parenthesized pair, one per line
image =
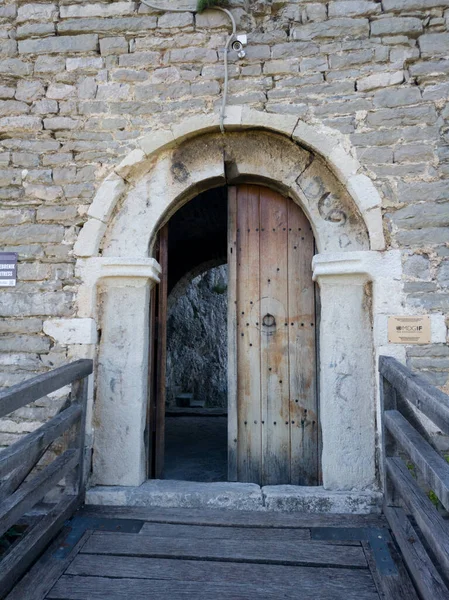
(273, 417)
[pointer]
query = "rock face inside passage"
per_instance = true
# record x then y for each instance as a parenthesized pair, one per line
(197, 339)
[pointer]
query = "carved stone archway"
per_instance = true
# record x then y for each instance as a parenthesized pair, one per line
(359, 282)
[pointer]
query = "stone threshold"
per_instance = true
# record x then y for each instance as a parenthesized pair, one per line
(237, 496)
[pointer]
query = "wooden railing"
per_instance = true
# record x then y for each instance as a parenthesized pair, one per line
(426, 548)
(18, 496)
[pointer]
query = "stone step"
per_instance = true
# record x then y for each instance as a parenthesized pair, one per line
(236, 496)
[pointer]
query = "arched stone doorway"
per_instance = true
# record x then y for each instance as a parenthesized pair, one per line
(272, 406)
(354, 275)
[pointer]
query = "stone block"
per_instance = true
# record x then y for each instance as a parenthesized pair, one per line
(35, 30)
(353, 8)
(6, 92)
(396, 25)
(417, 266)
(115, 25)
(33, 271)
(315, 12)
(418, 216)
(57, 214)
(12, 107)
(379, 80)
(114, 46)
(89, 238)
(25, 159)
(106, 198)
(16, 216)
(285, 124)
(8, 12)
(399, 117)
(434, 44)
(36, 12)
(31, 234)
(60, 91)
(20, 304)
(443, 274)
(294, 50)
(8, 47)
(49, 64)
(191, 55)
(97, 10)
(11, 326)
(362, 188)
(15, 67)
(84, 64)
(316, 500)
(71, 331)
(430, 190)
(414, 153)
(407, 5)
(60, 44)
(113, 91)
(156, 140)
(422, 238)
(58, 123)
(45, 107)
(21, 123)
(352, 28)
(172, 20)
(398, 97)
(132, 165)
(10, 177)
(437, 92)
(180, 494)
(24, 343)
(139, 59)
(210, 19)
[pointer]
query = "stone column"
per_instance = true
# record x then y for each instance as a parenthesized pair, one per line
(117, 291)
(347, 378)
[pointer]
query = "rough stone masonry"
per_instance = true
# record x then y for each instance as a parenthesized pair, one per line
(81, 81)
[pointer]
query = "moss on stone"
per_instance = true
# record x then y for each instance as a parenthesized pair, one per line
(204, 4)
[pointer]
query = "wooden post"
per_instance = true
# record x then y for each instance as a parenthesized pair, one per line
(388, 399)
(76, 481)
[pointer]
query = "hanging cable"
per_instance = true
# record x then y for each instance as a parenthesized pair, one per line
(225, 52)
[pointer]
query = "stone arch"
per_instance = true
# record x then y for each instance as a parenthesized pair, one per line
(154, 163)
(312, 165)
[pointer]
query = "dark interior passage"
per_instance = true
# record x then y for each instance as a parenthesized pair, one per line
(196, 378)
(196, 448)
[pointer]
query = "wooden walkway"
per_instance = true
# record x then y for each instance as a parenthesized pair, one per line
(170, 554)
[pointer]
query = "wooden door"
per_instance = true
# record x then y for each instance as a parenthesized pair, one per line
(272, 412)
(158, 361)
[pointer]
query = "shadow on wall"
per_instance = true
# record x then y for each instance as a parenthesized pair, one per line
(197, 341)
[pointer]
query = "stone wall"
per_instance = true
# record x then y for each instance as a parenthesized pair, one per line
(80, 82)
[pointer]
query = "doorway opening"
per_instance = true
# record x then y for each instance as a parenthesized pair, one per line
(234, 342)
(196, 432)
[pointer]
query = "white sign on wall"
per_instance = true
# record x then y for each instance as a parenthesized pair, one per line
(8, 269)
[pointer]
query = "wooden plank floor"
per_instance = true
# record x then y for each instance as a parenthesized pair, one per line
(110, 554)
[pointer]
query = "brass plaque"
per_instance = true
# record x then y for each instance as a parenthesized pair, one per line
(409, 330)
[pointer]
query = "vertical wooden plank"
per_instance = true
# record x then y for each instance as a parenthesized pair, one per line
(151, 406)
(388, 401)
(317, 362)
(248, 335)
(161, 355)
(76, 481)
(274, 338)
(232, 336)
(302, 357)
